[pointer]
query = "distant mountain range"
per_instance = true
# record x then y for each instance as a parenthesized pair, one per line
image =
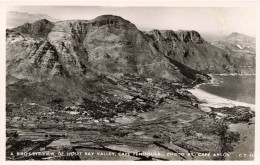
(14, 18)
(241, 48)
(237, 42)
(59, 58)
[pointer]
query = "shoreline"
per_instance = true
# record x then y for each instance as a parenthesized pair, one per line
(245, 131)
(233, 74)
(210, 100)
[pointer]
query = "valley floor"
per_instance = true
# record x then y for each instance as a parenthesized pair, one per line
(170, 125)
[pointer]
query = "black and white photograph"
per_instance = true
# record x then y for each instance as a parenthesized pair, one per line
(131, 83)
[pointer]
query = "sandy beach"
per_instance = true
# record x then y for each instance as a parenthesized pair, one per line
(210, 100)
(246, 131)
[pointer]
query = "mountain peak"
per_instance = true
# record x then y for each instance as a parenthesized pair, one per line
(189, 35)
(240, 39)
(39, 28)
(234, 34)
(110, 17)
(44, 20)
(76, 53)
(112, 20)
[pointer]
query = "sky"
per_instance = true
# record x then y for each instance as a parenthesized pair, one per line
(206, 20)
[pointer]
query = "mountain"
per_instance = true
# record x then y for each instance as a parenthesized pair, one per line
(240, 39)
(86, 81)
(237, 41)
(14, 18)
(241, 50)
(190, 49)
(78, 57)
(106, 44)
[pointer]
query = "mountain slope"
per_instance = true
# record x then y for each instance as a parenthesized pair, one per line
(66, 58)
(240, 39)
(73, 57)
(105, 44)
(241, 51)
(188, 48)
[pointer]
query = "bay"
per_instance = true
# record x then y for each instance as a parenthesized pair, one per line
(233, 87)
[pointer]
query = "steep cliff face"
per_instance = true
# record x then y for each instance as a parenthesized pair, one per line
(111, 45)
(187, 36)
(107, 45)
(66, 58)
(31, 59)
(188, 48)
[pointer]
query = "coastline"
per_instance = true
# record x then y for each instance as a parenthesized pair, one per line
(246, 130)
(210, 100)
(174, 125)
(234, 74)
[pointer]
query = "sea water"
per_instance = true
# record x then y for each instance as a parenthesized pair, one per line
(240, 88)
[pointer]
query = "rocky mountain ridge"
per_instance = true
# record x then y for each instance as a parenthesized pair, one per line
(102, 85)
(63, 52)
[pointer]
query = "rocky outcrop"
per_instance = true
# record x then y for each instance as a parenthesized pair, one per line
(188, 48)
(186, 36)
